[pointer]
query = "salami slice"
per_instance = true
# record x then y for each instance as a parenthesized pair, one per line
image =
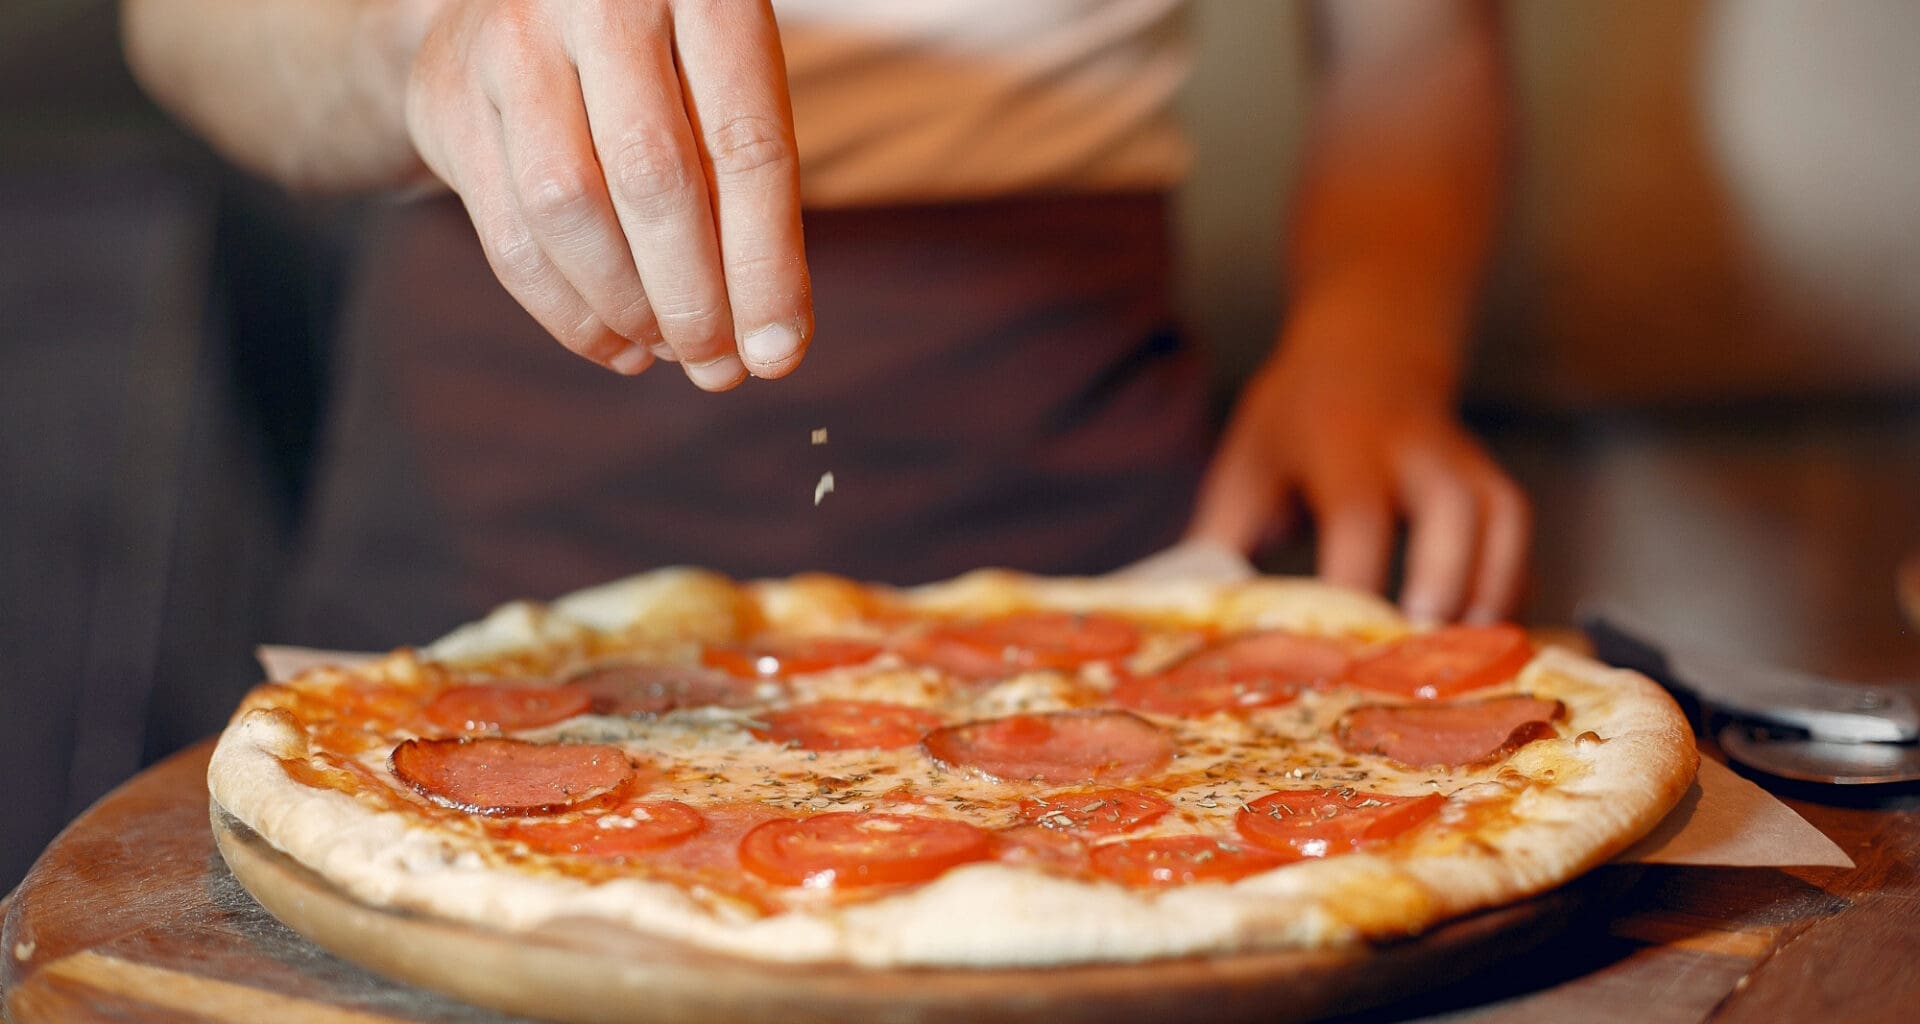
(645, 691)
(1062, 747)
(511, 777)
(1455, 734)
(495, 707)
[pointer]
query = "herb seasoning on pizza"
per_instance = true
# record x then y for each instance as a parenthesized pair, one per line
(997, 770)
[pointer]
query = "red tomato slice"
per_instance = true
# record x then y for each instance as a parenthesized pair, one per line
(1095, 812)
(796, 656)
(1179, 860)
(848, 725)
(833, 851)
(630, 831)
(496, 707)
(1325, 823)
(1445, 662)
(1024, 641)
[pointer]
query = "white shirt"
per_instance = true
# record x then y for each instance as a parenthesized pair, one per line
(929, 100)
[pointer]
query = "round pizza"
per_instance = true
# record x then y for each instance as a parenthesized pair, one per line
(997, 770)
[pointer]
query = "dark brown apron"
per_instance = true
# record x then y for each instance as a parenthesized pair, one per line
(1000, 383)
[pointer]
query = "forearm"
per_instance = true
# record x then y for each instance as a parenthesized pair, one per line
(310, 93)
(1396, 206)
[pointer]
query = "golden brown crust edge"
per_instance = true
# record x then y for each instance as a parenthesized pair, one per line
(1618, 790)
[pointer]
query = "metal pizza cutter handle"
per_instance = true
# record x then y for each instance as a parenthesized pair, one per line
(1796, 725)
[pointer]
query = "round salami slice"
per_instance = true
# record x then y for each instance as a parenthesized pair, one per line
(789, 657)
(646, 691)
(1181, 860)
(1455, 734)
(832, 851)
(848, 725)
(511, 777)
(625, 833)
(1094, 812)
(1326, 822)
(1445, 662)
(1062, 747)
(990, 648)
(496, 708)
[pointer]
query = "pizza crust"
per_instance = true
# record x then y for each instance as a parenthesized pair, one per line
(1578, 802)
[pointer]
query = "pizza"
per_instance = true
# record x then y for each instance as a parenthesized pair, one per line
(995, 770)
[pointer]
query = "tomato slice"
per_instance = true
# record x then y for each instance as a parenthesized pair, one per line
(1094, 812)
(1445, 662)
(1023, 641)
(793, 656)
(625, 833)
(1180, 860)
(497, 707)
(848, 725)
(1328, 822)
(833, 851)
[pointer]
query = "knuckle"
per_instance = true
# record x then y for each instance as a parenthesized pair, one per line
(635, 321)
(747, 145)
(509, 34)
(556, 191)
(517, 256)
(692, 319)
(651, 170)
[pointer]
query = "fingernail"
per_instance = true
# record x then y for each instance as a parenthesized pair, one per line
(1421, 614)
(1480, 617)
(663, 351)
(718, 375)
(771, 345)
(631, 360)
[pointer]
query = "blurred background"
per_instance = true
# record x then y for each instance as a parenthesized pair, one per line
(1700, 351)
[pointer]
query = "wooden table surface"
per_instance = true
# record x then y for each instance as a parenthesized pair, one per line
(131, 916)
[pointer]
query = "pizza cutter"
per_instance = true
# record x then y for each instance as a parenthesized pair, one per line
(1792, 724)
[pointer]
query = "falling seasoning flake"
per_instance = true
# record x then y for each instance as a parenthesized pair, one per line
(824, 487)
(819, 435)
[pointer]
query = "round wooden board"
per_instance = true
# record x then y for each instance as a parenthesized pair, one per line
(585, 971)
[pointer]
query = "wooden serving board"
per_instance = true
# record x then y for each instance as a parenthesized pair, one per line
(132, 915)
(597, 973)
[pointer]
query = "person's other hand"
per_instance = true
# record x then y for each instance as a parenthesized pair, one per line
(630, 168)
(1364, 434)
